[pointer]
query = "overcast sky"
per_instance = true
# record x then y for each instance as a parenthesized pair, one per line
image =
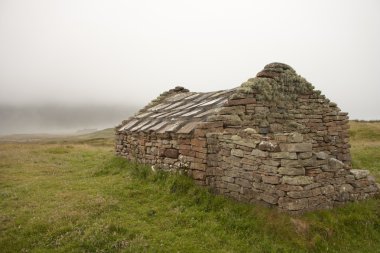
(128, 52)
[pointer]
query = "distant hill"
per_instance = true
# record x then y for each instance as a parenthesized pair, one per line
(59, 119)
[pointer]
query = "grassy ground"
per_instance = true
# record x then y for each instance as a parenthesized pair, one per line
(73, 195)
(365, 146)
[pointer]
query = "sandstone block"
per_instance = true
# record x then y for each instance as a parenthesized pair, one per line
(304, 193)
(259, 153)
(271, 162)
(311, 186)
(243, 101)
(243, 182)
(236, 138)
(199, 175)
(227, 119)
(297, 180)
(237, 152)
(335, 164)
(271, 179)
(346, 188)
(311, 162)
(269, 198)
(327, 190)
(284, 155)
(247, 143)
(305, 155)
(171, 153)
(296, 147)
(233, 187)
(295, 137)
(198, 166)
(290, 163)
(198, 143)
(268, 169)
(228, 179)
(322, 155)
(233, 110)
(287, 187)
(359, 174)
(291, 171)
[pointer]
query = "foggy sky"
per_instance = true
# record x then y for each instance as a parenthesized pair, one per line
(128, 52)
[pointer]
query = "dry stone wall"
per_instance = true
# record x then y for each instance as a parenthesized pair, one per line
(278, 100)
(283, 172)
(274, 140)
(185, 153)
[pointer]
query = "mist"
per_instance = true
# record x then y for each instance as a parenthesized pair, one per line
(61, 119)
(85, 63)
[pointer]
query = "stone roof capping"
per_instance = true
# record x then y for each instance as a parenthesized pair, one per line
(274, 139)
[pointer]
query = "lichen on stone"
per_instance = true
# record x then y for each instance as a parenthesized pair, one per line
(277, 83)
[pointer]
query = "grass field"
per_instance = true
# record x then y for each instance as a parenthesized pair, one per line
(365, 146)
(73, 195)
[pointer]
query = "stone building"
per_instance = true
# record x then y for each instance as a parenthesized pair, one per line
(275, 139)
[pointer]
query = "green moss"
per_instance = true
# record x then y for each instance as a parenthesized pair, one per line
(282, 88)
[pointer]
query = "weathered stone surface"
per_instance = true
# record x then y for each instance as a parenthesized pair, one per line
(297, 180)
(296, 147)
(171, 153)
(305, 155)
(327, 190)
(196, 174)
(247, 143)
(335, 164)
(269, 198)
(268, 168)
(322, 155)
(243, 101)
(359, 174)
(271, 179)
(346, 188)
(283, 155)
(243, 182)
(290, 163)
(287, 187)
(295, 137)
(259, 153)
(237, 152)
(236, 138)
(271, 162)
(229, 119)
(228, 179)
(305, 193)
(233, 187)
(295, 171)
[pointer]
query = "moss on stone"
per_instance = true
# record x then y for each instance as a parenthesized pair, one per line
(286, 86)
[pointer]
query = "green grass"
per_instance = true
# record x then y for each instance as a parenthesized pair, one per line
(365, 146)
(74, 195)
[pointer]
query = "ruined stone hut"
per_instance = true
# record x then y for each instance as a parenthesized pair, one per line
(274, 139)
